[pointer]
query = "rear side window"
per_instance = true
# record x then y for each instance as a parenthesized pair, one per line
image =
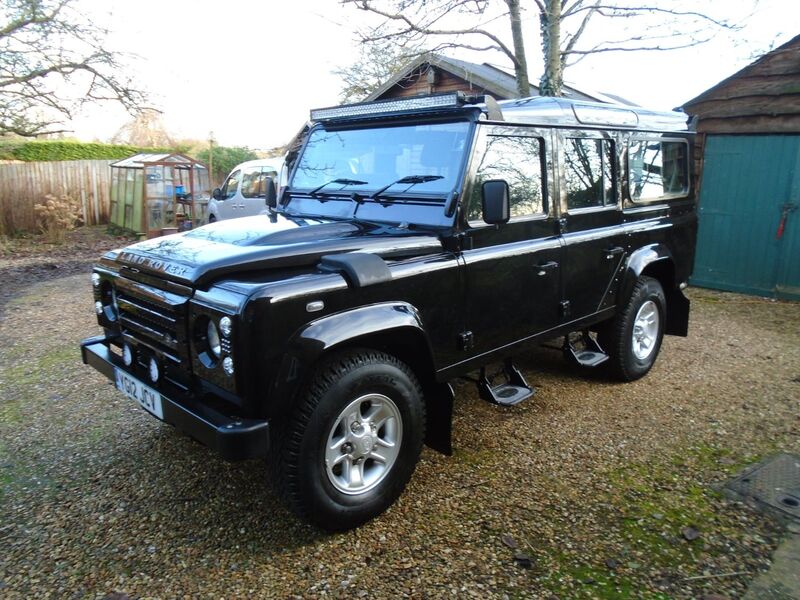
(518, 161)
(588, 173)
(657, 169)
(254, 181)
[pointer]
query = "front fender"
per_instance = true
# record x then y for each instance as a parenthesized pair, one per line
(315, 339)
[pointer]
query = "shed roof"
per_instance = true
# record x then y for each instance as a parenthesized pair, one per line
(140, 161)
(487, 76)
(788, 54)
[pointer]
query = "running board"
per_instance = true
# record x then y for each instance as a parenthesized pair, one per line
(512, 391)
(590, 354)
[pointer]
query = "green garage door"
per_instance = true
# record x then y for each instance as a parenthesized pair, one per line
(749, 230)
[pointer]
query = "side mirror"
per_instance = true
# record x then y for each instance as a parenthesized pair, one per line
(271, 194)
(495, 203)
(217, 194)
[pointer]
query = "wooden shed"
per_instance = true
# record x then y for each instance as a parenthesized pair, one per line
(749, 139)
(434, 73)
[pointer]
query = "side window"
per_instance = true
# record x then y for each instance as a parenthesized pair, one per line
(231, 185)
(588, 173)
(657, 169)
(518, 161)
(254, 181)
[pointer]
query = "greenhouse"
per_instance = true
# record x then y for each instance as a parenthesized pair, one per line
(159, 194)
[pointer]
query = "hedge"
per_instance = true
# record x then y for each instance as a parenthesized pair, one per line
(46, 150)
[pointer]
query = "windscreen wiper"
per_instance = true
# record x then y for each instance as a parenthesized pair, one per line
(342, 181)
(410, 180)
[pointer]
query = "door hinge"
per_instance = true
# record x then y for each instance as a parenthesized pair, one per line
(562, 225)
(566, 309)
(466, 341)
(457, 242)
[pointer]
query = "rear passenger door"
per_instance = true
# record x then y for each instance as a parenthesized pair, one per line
(592, 221)
(512, 270)
(254, 189)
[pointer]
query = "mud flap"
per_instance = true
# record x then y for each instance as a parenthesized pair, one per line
(439, 422)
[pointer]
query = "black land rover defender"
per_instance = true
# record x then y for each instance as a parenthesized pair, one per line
(418, 240)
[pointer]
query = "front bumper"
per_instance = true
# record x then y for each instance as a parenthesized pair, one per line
(233, 438)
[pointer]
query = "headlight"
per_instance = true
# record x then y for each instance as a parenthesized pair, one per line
(226, 326)
(212, 337)
(227, 366)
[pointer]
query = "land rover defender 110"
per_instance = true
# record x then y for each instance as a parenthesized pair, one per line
(418, 240)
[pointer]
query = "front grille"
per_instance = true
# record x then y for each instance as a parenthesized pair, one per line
(154, 318)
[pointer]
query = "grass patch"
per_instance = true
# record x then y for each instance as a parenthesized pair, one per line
(651, 508)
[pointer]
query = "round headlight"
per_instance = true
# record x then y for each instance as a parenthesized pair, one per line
(212, 337)
(95, 279)
(226, 326)
(227, 366)
(98, 307)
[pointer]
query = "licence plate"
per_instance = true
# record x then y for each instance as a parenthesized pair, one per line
(147, 397)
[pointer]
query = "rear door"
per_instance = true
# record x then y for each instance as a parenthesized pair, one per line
(253, 191)
(512, 271)
(592, 217)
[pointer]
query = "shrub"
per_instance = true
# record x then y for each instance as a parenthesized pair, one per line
(57, 215)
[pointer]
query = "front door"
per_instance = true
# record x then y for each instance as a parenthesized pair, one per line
(513, 271)
(593, 238)
(227, 206)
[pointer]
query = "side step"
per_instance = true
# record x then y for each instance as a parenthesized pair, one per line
(512, 391)
(584, 350)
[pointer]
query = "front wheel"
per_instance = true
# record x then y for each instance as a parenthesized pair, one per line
(633, 338)
(354, 440)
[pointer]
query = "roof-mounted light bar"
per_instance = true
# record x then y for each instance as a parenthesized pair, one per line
(386, 107)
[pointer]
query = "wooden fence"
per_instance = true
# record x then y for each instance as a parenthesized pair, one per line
(23, 185)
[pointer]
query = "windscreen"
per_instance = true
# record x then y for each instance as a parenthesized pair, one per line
(428, 157)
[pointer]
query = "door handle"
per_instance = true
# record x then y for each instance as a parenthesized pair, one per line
(543, 268)
(614, 251)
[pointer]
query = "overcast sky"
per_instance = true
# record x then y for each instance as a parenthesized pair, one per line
(250, 71)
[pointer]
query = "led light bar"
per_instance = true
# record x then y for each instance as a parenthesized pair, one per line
(382, 107)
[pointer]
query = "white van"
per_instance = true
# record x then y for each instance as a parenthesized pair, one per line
(244, 191)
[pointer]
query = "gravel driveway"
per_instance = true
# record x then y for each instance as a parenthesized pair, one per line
(593, 486)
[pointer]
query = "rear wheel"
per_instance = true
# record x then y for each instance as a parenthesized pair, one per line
(354, 441)
(633, 338)
(211, 218)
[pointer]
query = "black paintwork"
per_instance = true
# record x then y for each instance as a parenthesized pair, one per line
(445, 295)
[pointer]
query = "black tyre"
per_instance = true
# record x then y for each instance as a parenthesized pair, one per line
(353, 442)
(633, 338)
(212, 218)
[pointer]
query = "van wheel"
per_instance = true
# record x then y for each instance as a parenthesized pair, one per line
(211, 218)
(354, 440)
(633, 338)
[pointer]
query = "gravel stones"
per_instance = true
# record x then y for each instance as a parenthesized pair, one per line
(101, 500)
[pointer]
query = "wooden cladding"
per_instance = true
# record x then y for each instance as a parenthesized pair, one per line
(417, 84)
(764, 97)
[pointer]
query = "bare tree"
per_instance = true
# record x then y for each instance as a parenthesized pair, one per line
(377, 63)
(565, 27)
(432, 24)
(146, 130)
(52, 62)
